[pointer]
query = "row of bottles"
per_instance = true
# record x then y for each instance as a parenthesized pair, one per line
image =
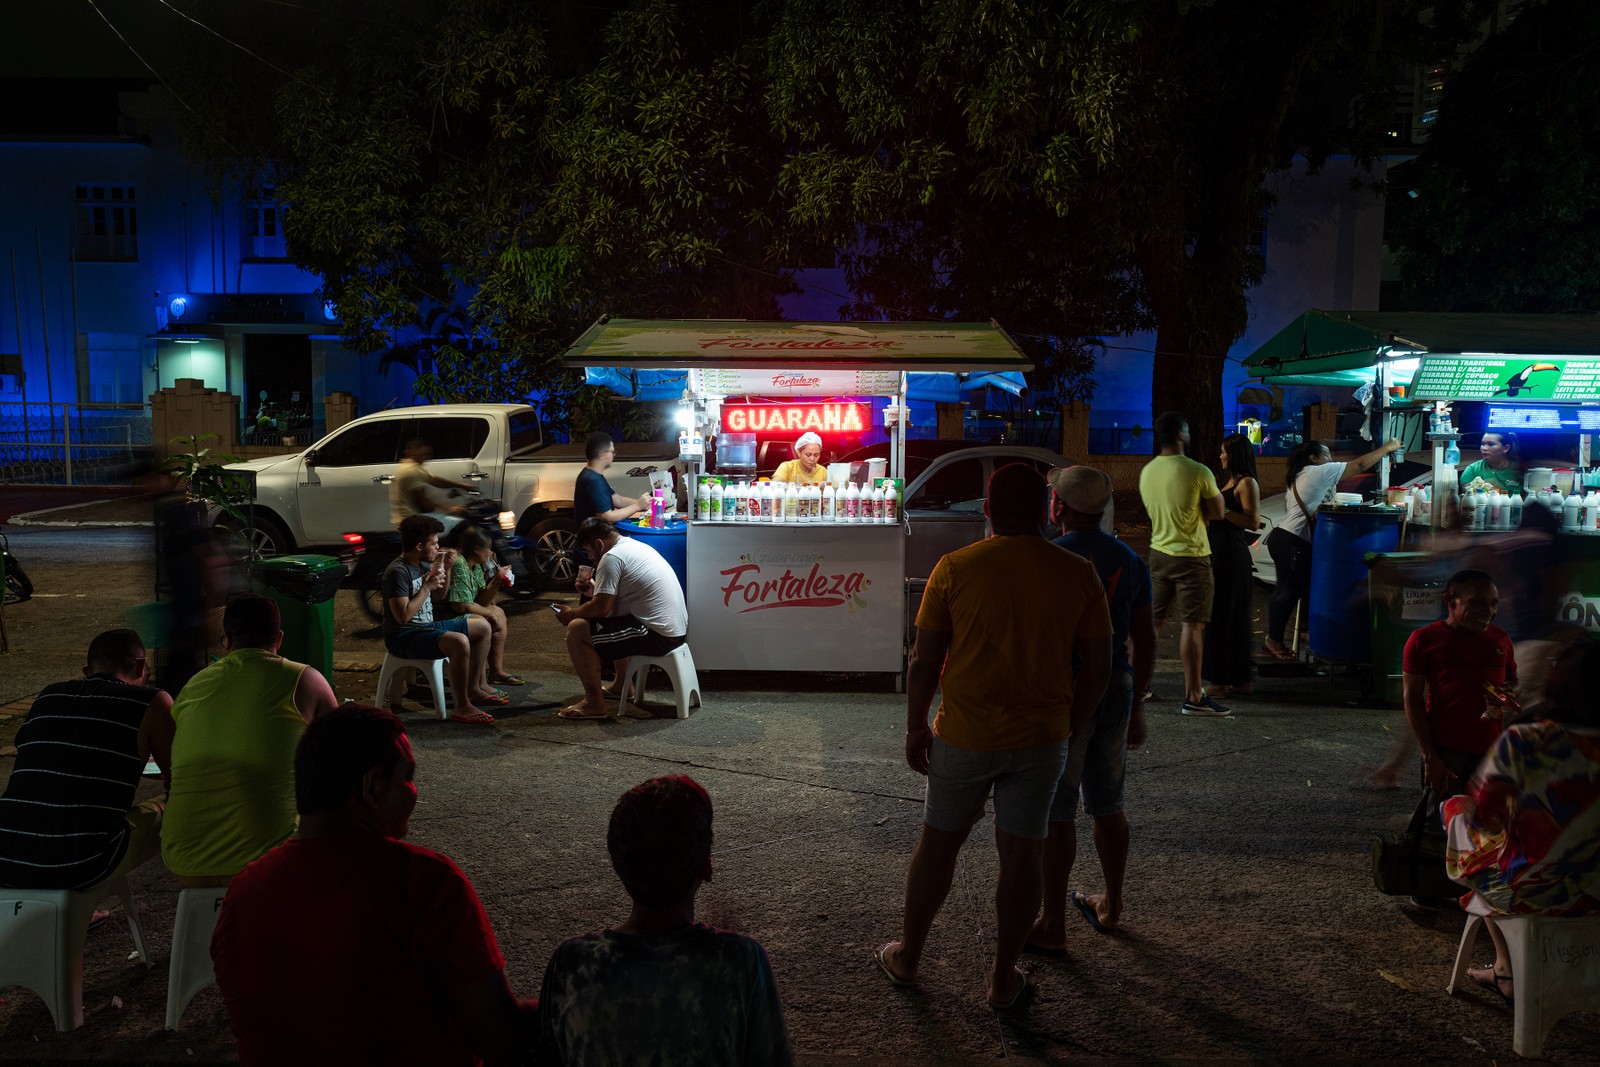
(780, 502)
(1496, 510)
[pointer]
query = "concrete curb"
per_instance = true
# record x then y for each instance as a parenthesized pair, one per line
(31, 518)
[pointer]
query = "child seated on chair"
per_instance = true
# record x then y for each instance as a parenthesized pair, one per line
(661, 988)
(409, 629)
(1526, 837)
(474, 583)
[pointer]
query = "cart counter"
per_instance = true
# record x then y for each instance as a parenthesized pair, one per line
(816, 596)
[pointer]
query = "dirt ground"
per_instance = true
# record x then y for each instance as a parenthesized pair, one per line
(1253, 933)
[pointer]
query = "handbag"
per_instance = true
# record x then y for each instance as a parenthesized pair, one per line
(1411, 863)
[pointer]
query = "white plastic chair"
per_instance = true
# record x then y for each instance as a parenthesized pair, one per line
(1555, 970)
(679, 665)
(432, 669)
(190, 969)
(42, 933)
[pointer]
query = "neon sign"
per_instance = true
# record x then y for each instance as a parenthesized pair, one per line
(796, 418)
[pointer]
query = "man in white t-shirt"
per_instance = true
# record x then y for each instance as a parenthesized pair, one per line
(636, 609)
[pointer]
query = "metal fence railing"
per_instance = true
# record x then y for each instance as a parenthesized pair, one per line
(74, 444)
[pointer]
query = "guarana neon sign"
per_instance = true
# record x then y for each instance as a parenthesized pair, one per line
(823, 418)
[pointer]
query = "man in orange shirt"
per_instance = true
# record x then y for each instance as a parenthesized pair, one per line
(1000, 627)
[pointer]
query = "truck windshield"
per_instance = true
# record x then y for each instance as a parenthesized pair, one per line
(525, 433)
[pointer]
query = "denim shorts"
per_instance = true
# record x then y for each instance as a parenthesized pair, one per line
(1097, 761)
(422, 642)
(1023, 781)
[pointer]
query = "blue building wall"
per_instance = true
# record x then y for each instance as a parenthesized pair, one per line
(107, 325)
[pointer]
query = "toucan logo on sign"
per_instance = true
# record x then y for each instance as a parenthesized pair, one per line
(752, 587)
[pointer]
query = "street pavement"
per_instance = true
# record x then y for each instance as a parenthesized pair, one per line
(1252, 931)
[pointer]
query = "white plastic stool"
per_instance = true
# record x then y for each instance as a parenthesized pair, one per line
(433, 669)
(42, 932)
(678, 664)
(1555, 970)
(190, 969)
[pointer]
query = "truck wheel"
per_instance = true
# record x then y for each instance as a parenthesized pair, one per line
(270, 539)
(552, 554)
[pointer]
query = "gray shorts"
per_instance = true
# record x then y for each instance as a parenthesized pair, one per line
(1097, 761)
(1023, 781)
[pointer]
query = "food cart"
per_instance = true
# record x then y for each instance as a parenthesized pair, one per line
(1540, 373)
(818, 595)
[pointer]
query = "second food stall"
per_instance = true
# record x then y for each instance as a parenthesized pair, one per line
(819, 593)
(1535, 373)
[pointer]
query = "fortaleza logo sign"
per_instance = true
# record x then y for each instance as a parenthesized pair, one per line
(795, 344)
(756, 583)
(795, 418)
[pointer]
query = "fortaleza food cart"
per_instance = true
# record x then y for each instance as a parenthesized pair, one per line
(1536, 375)
(815, 595)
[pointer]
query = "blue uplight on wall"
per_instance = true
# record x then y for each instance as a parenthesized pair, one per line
(329, 312)
(178, 306)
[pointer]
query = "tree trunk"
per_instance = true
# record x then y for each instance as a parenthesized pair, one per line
(1189, 380)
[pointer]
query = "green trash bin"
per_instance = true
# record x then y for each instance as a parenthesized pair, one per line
(1407, 593)
(303, 586)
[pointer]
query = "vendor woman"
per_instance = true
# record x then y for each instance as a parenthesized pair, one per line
(1501, 465)
(805, 468)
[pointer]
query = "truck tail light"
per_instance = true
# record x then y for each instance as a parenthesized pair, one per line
(357, 542)
(508, 521)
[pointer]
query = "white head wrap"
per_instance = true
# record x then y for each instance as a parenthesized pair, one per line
(807, 438)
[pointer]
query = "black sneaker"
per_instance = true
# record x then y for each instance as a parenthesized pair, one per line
(1205, 706)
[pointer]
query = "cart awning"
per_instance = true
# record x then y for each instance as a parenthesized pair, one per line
(867, 349)
(928, 386)
(1341, 347)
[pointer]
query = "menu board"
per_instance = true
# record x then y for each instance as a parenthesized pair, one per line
(1549, 417)
(1524, 378)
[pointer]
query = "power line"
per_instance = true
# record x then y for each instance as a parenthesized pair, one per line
(222, 38)
(157, 74)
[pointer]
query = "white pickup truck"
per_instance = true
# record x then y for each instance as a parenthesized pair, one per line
(341, 484)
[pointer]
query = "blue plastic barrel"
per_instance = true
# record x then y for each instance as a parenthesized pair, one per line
(1341, 630)
(671, 541)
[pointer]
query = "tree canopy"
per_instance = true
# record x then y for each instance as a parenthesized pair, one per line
(1501, 211)
(1071, 170)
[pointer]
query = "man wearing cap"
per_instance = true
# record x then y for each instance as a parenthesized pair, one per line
(1181, 497)
(1097, 754)
(999, 627)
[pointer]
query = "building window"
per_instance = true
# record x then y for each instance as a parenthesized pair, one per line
(108, 223)
(263, 222)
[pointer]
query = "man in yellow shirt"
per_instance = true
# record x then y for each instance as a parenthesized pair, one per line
(1000, 626)
(1181, 497)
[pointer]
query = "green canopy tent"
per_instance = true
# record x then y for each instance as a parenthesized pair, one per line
(1344, 348)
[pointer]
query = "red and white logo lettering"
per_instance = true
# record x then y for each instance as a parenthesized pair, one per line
(750, 588)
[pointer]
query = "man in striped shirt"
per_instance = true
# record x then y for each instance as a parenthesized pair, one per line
(67, 819)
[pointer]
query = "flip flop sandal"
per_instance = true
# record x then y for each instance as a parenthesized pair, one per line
(894, 979)
(1493, 981)
(476, 718)
(1007, 1003)
(499, 700)
(572, 715)
(1282, 655)
(1090, 916)
(509, 679)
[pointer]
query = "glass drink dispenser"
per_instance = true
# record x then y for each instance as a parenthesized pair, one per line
(736, 456)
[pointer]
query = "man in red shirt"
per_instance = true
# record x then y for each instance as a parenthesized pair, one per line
(1445, 668)
(345, 944)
